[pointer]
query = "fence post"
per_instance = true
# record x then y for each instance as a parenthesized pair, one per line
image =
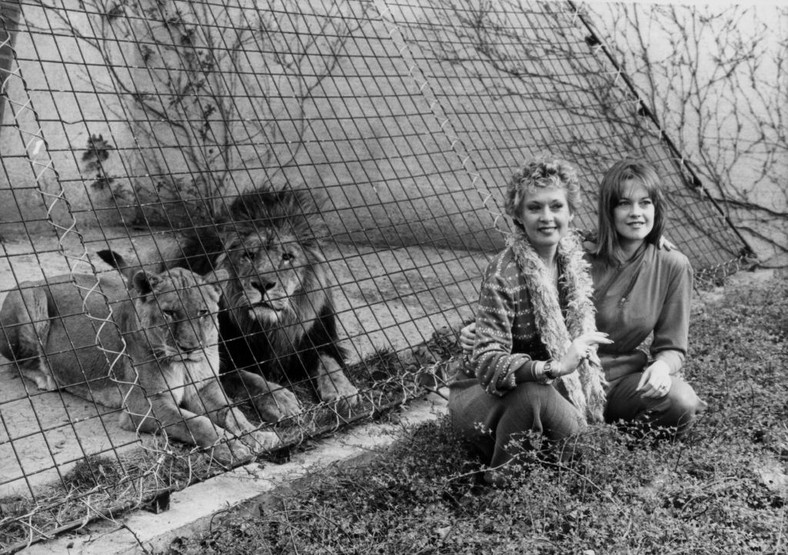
(9, 15)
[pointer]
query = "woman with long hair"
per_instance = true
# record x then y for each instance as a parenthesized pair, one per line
(641, 291)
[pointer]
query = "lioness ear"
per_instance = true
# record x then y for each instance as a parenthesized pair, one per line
(144, 282)
(217, 278)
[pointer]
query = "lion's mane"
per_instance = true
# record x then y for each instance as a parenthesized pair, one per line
(306, 330)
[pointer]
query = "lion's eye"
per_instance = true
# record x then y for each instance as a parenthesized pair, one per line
(248, 256)
(168, 314)
(203, 314)
(288, 257)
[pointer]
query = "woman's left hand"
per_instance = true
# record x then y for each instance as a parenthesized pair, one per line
(665, 244)
(467, 338)
(656, 381)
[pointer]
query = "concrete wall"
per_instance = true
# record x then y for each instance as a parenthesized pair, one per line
(408, 118)
(366, 137)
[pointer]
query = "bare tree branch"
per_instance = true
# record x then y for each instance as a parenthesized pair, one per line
(714, 77)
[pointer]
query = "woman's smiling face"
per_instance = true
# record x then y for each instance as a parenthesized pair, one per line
(634, 214)
(545, 217)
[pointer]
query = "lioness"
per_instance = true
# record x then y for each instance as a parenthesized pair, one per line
(277, 317)
(168, 377)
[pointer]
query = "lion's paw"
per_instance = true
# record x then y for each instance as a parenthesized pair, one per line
(345, 404)
(277, 405)
(338, 390)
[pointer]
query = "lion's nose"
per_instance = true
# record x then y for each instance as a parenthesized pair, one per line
(263, 285)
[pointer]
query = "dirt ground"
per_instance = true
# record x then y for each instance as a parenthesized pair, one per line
(384, 298)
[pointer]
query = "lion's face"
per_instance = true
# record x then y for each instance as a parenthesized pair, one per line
(177, 310)
(269, 270)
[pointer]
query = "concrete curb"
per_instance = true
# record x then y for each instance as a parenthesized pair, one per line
(192, 509)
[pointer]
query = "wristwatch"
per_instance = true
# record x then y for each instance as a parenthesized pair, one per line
(549, 371)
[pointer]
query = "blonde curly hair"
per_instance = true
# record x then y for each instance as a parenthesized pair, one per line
(539, 174)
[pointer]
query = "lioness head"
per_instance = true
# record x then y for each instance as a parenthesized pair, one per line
(177, 310)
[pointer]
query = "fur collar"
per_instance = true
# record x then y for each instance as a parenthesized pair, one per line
(585, 387)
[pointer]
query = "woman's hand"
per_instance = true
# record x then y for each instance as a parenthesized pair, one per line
(656, 381)
(467, 338)
(665, 244)
(579, 350)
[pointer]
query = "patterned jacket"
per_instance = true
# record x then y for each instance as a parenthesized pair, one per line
(506, 334)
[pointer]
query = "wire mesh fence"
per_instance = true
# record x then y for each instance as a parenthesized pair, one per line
(326, 175)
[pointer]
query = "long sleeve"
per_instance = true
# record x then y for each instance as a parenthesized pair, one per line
(671, 332)
(504, 325)
(633, 301)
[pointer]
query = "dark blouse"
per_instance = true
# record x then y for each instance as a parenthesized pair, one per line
(651, 292)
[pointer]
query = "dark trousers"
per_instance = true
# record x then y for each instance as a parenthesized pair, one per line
(490, 422)
(676, 409)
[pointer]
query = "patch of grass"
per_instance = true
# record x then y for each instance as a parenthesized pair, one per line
(102, 486)
(720, 490)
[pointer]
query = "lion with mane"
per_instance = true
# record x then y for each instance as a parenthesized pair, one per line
(277, 317)
(63, 332)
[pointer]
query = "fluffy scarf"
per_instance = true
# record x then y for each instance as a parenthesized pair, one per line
(585, 387)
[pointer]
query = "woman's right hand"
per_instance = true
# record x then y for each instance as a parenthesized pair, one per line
(467, 338)
(579, 350)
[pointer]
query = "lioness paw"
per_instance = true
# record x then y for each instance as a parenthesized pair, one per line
(228, 452)
(259, 441)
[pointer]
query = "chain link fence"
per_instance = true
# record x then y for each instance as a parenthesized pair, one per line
(339, 164)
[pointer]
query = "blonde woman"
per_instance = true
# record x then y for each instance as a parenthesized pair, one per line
(534, 367)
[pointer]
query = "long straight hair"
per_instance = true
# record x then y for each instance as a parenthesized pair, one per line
(614, 183)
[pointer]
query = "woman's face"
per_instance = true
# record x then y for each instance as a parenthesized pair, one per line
(634, 214)
(545, 216)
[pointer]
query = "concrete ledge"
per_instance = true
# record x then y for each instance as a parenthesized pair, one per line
(192, 509)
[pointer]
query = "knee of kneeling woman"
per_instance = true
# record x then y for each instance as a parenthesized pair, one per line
(555, 416)
(684, 407)
(527, 394)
